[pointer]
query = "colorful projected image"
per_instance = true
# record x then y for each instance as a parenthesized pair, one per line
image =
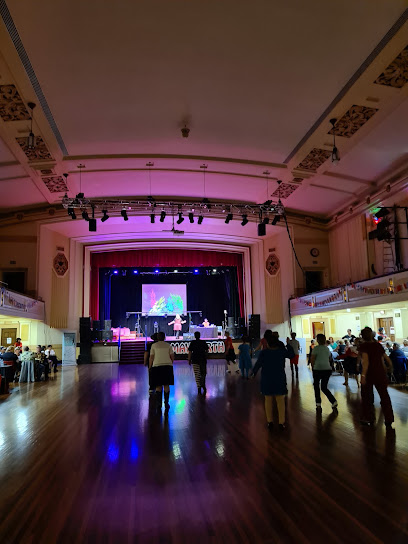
(160, 299)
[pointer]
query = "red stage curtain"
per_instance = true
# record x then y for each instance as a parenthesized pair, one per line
(161, 258)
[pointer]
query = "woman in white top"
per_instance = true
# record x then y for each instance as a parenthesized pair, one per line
(161, 365)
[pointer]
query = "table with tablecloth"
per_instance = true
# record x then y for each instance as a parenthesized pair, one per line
(205, 332)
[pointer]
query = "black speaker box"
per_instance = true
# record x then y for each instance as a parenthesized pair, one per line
(107, 324)
(96, 335)
(241, 321)
(96, 325)
(106, 335)
(85, 322)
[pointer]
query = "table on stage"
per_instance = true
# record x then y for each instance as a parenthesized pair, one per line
(205, 332)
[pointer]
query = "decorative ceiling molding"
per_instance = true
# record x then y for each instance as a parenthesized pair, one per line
(12, 107)
(285, 190)
(47, 172)
(352, 121)
(39, 153)
(55, 184)
(314, 159)
(396, 73)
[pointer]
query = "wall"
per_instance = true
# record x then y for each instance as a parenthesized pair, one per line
(305, 238)
(19, 243)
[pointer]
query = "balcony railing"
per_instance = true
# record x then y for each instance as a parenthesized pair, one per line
(16, 304)
(370, 291)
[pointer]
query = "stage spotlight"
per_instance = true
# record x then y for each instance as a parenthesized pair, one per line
(275, 220)
(214, 270)
(200, 219)
(135, 272)
(152, 218)
(261, 229)
(156, 271)
(92, 224)
(162, 216)
(105, 216)
(115, 272)
(266, 220)
(176, 270)
(124, 214)
(196, 271)
(73, 215)
(191, 217)
(244, 219)
(228, 218)
(180, 219)
(85, 215)
(70, 211)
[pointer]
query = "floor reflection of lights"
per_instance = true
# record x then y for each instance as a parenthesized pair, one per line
(22, 423)
(2, 440)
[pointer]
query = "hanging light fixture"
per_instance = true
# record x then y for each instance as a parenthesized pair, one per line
(244, 219)
(200, 219)
(180, 219)
(31, 137)
(191, 217)
(105, 216)
(162, 216)
(229, 218)
(124, 214)
(335, 157)
(152, 218)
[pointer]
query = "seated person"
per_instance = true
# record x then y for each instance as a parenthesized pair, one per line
(399, 362)
(341, 349)
(10, 358)
(205, 323)
(41, 366)
(404, 347)
(51, 356)
(334, 354)
(388, 347)
(2, 351)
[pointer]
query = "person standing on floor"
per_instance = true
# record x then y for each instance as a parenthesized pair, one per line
(197, 356)
(271, 361)
(311, 348)
(294, 361)
(229, 351)
(322, 370)
(146, 360)
(373, 374)
(161, 365)
(245, 363)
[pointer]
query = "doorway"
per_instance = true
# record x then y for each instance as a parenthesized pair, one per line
(8, 337)
(388, 324)
(313, 281)
(318, 328)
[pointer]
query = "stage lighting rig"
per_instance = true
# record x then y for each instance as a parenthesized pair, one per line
(85, 215)
(275, 220)
(229, 218)
(244, 219)
(180, 219)
(105, 216)
(200, 219)
(191, 217)
(124, 214)
(162, 216)
(152, 218)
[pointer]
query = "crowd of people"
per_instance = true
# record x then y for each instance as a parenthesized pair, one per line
(363, 357)
(29, 365)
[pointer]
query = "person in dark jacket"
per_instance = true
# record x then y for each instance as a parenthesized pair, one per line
(10, 358)
(271, 361)
(197, 356)
(399, 363)
(146, 360)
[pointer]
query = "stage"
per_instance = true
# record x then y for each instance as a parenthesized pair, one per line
(130, 351)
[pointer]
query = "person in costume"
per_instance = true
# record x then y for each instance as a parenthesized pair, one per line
(177, 325)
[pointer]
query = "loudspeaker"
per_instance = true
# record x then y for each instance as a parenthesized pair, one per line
(85, 354)
(255, 326)
(96, 335)
(107, 324)
(231, 322)
(242, 330)
(106, 335)
(261, 229)
(96, 325)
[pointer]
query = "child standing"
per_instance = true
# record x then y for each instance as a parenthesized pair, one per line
(245, 363)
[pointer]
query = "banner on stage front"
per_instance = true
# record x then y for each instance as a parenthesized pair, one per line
(164, 298)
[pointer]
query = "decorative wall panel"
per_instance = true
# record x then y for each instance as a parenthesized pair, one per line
(55, 184)
(352, 121)
(39, 153)
(285, 190)
(60, 264)
(314, 159)
(12, 108)
(396, 73)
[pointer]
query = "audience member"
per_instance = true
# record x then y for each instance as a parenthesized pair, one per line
(404, 347)
(349, 336)
(10, 358)
(17, 343)
(51, 356)
(320, 361)
(146, 359)
(351, 363)
(332, 343)
(245, 363)
(373, 359)
(197, 356)
(399, 363)
(229, 351)
(311, 347)
(294, 361)
(161, 364)
(27, 366)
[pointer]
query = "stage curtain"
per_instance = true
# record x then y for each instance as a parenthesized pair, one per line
(162, 258)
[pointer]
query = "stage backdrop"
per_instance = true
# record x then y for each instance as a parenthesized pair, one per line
(163, 258)
(210, 294)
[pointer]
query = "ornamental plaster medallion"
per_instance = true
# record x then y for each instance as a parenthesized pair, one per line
(272, 264)
(60, 264)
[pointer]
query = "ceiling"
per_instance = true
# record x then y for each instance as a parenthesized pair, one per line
(255, 82)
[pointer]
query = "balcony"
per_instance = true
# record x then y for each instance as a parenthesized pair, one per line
(18, 305)
(381, 290)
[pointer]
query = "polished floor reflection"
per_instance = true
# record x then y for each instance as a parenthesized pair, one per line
(83, 460)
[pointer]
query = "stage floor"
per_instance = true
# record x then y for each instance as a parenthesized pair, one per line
(84, 460)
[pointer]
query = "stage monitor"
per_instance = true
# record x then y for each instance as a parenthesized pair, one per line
(164, 298)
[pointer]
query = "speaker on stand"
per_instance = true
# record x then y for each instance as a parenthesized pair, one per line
(255, 326)
(85, 341)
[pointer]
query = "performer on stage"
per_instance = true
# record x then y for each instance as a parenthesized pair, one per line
(206, 323)
(177, 323)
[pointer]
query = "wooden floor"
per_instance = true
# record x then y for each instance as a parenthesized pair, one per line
(83, 461)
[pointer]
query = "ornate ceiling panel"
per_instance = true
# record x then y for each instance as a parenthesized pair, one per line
(55, 184)
(39, 153)
(12, 108)
(314, 159)
(396, 73)
(285, 190)
(352, 121)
